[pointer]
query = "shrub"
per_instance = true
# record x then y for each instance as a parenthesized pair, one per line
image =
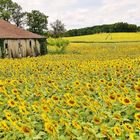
(59, 43)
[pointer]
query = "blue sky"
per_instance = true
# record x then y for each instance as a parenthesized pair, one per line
(83, 13)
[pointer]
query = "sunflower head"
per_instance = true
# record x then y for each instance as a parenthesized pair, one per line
(137, 105)
(117, 130)
(138, 96)
(126, 101)
(97, 120)
(55, 98)
(4, 125)
(76, 125)
(71, 102)
(128, 127)
(137, 116)
(26, 130)
(137, 88)
(50, 128)
(11, 103)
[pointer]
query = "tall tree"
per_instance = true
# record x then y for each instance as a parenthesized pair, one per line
(6, 9)
(18, 15)
(37, 22)
(58, 28)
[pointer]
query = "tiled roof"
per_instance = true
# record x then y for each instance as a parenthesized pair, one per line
(10, 31)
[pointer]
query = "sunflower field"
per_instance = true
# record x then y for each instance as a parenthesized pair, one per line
(91, 92)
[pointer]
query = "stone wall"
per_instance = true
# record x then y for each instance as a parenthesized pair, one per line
(21, 48)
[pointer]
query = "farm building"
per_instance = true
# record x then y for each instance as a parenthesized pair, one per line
(16, 42)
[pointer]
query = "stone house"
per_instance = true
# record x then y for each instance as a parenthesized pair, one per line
(16, 42)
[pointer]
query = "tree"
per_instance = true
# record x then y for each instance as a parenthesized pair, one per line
(108, 28)
(6, 7)
(37, 22)
(58, 28)
(138, 28)
(18, 15)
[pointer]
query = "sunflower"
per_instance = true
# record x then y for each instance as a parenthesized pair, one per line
(26, 129)
(102, 81)
(4, 125)
(67, 96)
(76, 83)
(110, 84)
(137, 116)
(76, 125)
(104, 129)
(23, 110)
(128, 127)
(58, 111)
(117, 130)
(67, 87)
(45, 108)
(50, 128)
(7, 114)
(112, 97)
(97, 120)
(34, 107)
(15, 91)
(117, 116)
(88, 85)
(11, 103)
(137, 105)
(66, 113)
(55, 98)
(126, 101)
(137, 96)
(137, 124)
(137, 88)
(71, 102)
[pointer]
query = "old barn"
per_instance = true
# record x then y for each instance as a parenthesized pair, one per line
(16, 42)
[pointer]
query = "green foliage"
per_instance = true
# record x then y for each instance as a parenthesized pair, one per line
(11, 12)
(110, 28)
(37, 22)
(43, 46)
(6, 9)
(139, 29)
(18, 15)
(59, 43)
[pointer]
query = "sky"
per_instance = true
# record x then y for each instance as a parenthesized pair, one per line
(86, 13)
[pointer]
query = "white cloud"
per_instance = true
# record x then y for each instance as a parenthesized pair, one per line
(75, 15)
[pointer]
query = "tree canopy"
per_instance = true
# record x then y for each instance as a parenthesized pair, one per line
(6, 9)
(37, 22)
(108, 28)
(58, 29)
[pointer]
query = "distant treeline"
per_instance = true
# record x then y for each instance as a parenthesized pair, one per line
(108, 28)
